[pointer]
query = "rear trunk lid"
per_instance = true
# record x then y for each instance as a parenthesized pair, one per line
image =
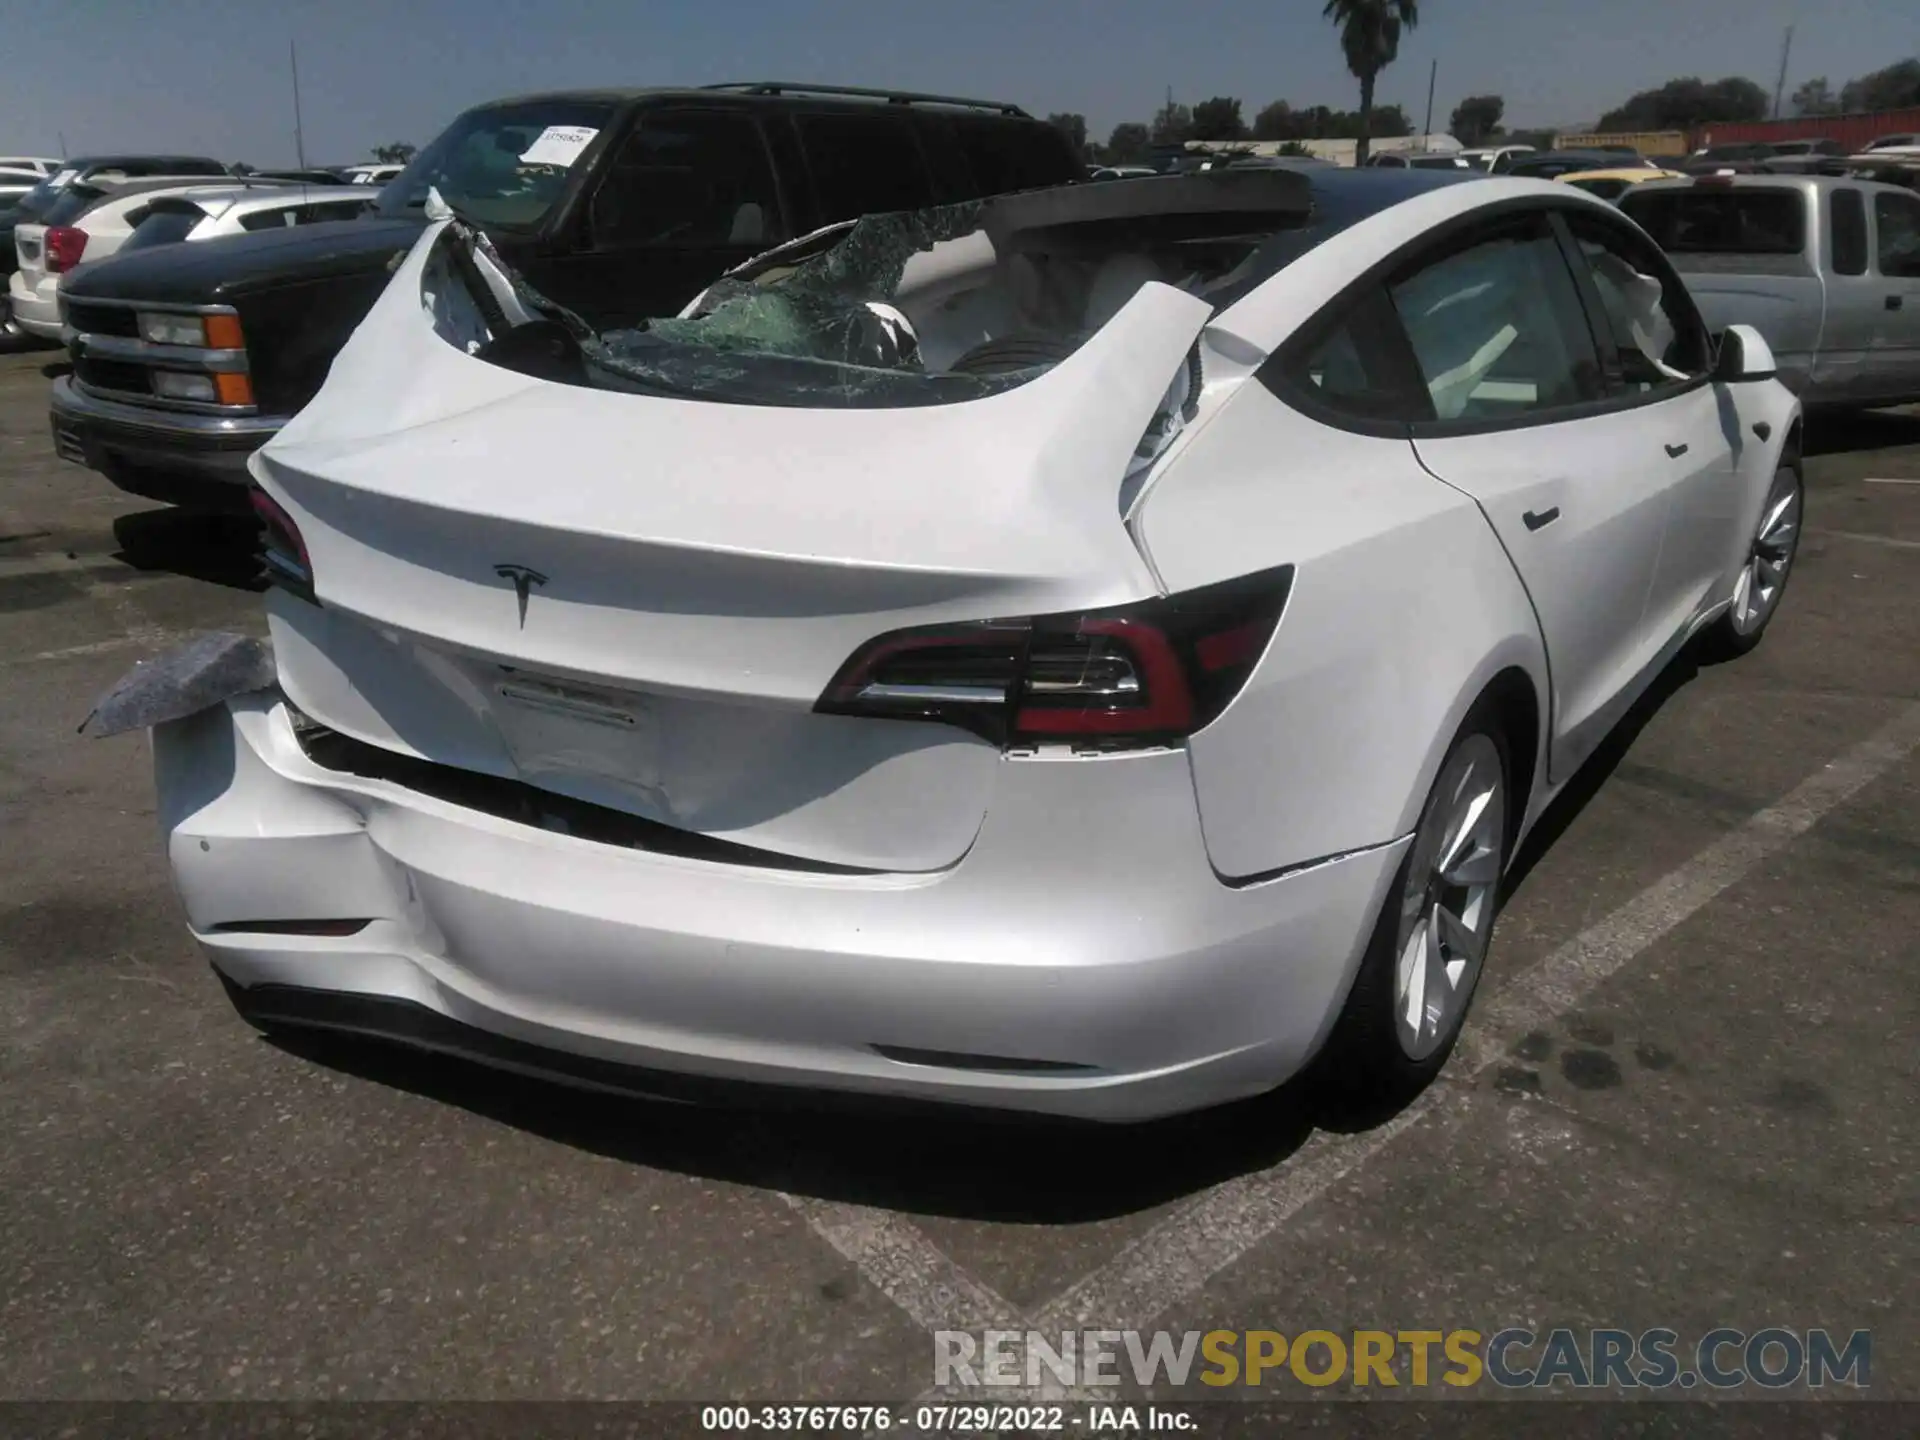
(635, 599)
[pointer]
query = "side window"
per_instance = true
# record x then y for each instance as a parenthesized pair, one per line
(1498, 330)
(1657, 340)
(1012, 155)
(269, 219)
(1354, 365)
(1897, 218)
(688, 179)
(864, 165)
(1847, 233)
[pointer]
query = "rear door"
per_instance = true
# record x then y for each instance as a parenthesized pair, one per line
(1578, 489)
(1895, 364)
(688, 193)
(1843, 368)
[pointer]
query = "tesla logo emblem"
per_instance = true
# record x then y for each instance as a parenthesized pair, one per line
(523, 582)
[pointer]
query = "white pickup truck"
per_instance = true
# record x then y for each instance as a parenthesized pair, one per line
(1828, 270)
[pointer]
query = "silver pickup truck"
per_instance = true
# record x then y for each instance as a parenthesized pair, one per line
(1828, 270)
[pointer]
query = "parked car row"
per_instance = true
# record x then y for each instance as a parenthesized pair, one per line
(56, 214)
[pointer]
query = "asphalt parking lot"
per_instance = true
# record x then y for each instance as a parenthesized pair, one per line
(1686, 1097)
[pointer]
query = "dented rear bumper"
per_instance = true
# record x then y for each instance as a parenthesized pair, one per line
(1082, 959)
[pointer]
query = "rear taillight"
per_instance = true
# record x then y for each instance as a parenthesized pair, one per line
(282, 551)
(64, 246)
(1144, 674)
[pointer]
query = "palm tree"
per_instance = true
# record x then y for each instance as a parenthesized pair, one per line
(1370, 36)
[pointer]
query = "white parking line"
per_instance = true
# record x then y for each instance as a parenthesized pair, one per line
(1887, 480)
(1855, 535)
(1187, 1249)
(896, 1257)
(145, 639)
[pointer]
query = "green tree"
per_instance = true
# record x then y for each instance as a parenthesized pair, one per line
(1280, 121)
(1370, 39)
(1476, 117)
(1815, 98)
(1894, 88)
(1172, 125)
(1687, 102)
(396, 154)
(1128, 144)
(1074, 127)
(1218, 119)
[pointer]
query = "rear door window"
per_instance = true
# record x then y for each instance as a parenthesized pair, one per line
(1847, 233)
(688, 179)
(864, 165)
(1498, 329)
(1732, 221)
(1897, 219)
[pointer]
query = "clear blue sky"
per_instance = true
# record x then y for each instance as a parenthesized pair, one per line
(211, 75)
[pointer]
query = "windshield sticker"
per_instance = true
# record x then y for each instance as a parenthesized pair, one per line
(558, 145)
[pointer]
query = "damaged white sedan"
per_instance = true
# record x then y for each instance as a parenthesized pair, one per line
(1085, 652)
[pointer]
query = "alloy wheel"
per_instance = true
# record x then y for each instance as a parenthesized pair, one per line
(1758, 589)
(1447, 908)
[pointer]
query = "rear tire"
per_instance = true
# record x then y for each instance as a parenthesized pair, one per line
(1429, 945)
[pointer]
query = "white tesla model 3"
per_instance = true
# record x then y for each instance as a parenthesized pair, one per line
(1088, 652)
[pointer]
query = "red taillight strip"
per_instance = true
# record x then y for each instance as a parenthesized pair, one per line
(1168, 706)
(1189, 655)
(284, 548)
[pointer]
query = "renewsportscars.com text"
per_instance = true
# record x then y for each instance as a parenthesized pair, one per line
(1773, 1358)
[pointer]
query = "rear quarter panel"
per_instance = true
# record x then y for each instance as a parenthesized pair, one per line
(1403, 608)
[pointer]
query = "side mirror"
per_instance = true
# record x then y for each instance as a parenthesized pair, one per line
(1744, 356)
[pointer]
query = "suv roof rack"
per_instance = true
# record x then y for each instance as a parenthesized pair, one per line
(892, 97)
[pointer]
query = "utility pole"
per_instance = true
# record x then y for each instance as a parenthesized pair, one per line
(1780, 85)
(299, 136)
(63, 144)
(1427, 131)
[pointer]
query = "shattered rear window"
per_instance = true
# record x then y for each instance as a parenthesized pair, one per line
(921, 307)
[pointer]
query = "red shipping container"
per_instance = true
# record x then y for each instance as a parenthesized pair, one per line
(1856, 132)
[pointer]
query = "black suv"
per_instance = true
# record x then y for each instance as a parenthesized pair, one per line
(616, 204)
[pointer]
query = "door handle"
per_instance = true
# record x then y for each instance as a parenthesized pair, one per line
(1537, 518)
(1674, 452)
(1894, 302)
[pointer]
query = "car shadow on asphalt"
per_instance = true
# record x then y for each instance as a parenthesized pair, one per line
(1845, 434)
(928, 1160)
(1587, 781)
(216, 549)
